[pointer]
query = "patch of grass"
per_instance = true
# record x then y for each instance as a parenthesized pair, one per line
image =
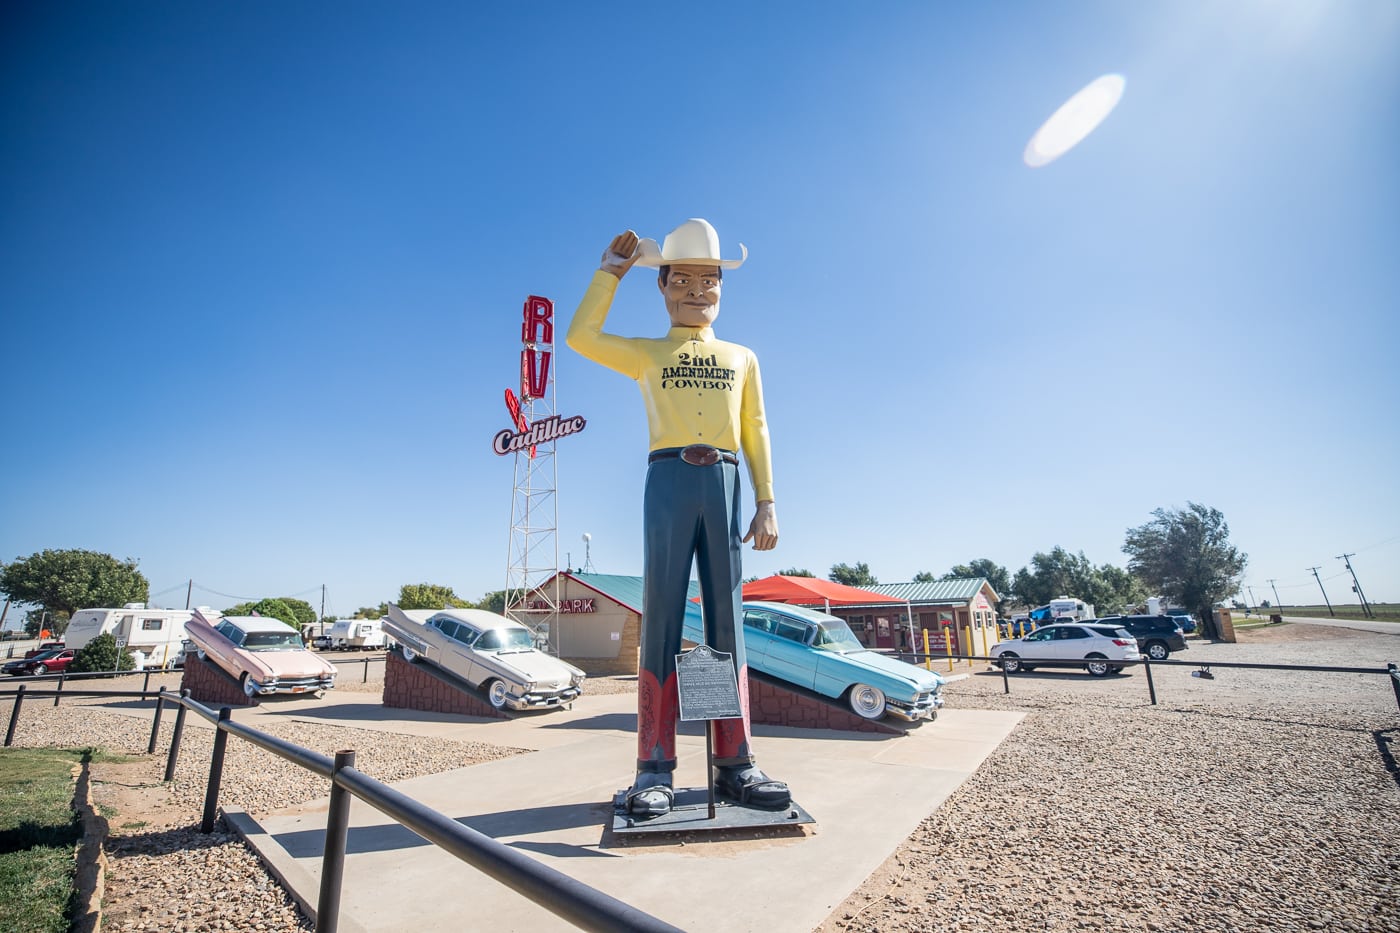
(38, 830)
(1381, 612)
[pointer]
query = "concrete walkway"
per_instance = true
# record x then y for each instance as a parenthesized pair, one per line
(867, 793)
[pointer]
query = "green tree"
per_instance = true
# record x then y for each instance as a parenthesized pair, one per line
(62, 582)
(1123, 590)
(271, 608)
(305, 613)
(1188, 552)
(295, 612)
(859, 575)
(429, 596)
(39, 620)
(1060, 573)
(371, 612)
(925, 576)
(100, 654)
(989, 570)
(795, 572)
(495, 601)
(1057, 573)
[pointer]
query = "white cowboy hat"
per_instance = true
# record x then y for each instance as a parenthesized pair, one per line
(694, 242)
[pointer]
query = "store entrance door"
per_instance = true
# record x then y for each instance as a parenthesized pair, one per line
(884, 632)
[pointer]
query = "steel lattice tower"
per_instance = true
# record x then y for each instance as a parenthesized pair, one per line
(533, 557)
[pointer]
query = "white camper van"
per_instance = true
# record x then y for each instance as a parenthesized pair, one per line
(348, 634)
(154, 634)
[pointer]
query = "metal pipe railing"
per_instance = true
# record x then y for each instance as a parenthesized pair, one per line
(580, 904)
(567, 897)
(333, 854)
(1147, 664)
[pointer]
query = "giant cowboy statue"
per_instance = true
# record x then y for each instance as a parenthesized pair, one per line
(704, 403)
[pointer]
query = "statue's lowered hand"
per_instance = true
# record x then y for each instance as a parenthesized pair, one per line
(763, 530)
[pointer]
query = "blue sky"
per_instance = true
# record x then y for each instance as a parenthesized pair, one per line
(262, 265)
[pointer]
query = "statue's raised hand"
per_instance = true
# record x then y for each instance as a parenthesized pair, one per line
(620, 254)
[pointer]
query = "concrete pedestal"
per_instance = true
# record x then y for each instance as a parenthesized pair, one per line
(425, 688)
(208, 684)
(772, 703)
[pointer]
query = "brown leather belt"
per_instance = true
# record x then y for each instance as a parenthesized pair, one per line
(695, 455)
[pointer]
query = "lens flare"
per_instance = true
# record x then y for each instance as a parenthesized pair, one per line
(1077, 118)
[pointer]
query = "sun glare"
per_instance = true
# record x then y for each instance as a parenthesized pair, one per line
(1076, 119)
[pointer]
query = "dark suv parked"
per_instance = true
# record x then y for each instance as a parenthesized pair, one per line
(1157, 636)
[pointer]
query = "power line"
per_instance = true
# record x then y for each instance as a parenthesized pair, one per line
(241, 599)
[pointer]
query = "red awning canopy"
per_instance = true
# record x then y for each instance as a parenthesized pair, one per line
(810, 591)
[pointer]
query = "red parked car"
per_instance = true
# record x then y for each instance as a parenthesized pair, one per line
(53, 661)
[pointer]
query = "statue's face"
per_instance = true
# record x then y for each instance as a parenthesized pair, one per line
(692, 295)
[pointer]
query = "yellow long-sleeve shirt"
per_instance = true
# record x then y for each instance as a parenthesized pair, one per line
(697, 389)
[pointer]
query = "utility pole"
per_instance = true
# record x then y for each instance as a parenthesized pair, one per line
(1277, 601)
(1356, 584)
(1330, 610)
(1251, 596)
(189, 591)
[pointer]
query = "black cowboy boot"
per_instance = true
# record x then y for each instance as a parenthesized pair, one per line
(750, 787)
(651, 793)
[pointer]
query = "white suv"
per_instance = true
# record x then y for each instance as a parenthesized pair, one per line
(1099, 645)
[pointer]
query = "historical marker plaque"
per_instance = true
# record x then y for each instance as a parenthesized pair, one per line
(707, 685)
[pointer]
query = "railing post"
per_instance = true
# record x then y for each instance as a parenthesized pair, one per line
(14, 717)
(1005, 679)
(333, 859)
(155, 722)
(174, 757)
(365, 679)
(216, 772)
(1394, 680)
(1151, 687)
(62, 675)
(146, 685)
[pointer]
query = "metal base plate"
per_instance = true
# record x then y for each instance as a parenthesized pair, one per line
(691, 814)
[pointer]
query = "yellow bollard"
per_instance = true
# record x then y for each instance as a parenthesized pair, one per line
(948, 645)
(928, 658)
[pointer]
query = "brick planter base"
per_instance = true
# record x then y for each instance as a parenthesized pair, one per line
(773, 704)
(208, 684)
(427, 689)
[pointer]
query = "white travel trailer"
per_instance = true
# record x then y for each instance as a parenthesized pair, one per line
(154, 634)
(347, 634)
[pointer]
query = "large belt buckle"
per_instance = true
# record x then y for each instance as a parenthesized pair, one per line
(700, 455)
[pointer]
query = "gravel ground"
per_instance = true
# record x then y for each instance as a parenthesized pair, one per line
(1253, 801)
(163, 874)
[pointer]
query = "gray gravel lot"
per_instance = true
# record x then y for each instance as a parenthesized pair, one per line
(1254, 801)
(1260, 800)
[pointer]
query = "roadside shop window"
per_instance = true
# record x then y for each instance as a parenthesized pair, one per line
(151, 625)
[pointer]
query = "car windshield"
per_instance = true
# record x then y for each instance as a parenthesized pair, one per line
(272, 641)
(45, 655)
(835, 635)
(506, 639)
